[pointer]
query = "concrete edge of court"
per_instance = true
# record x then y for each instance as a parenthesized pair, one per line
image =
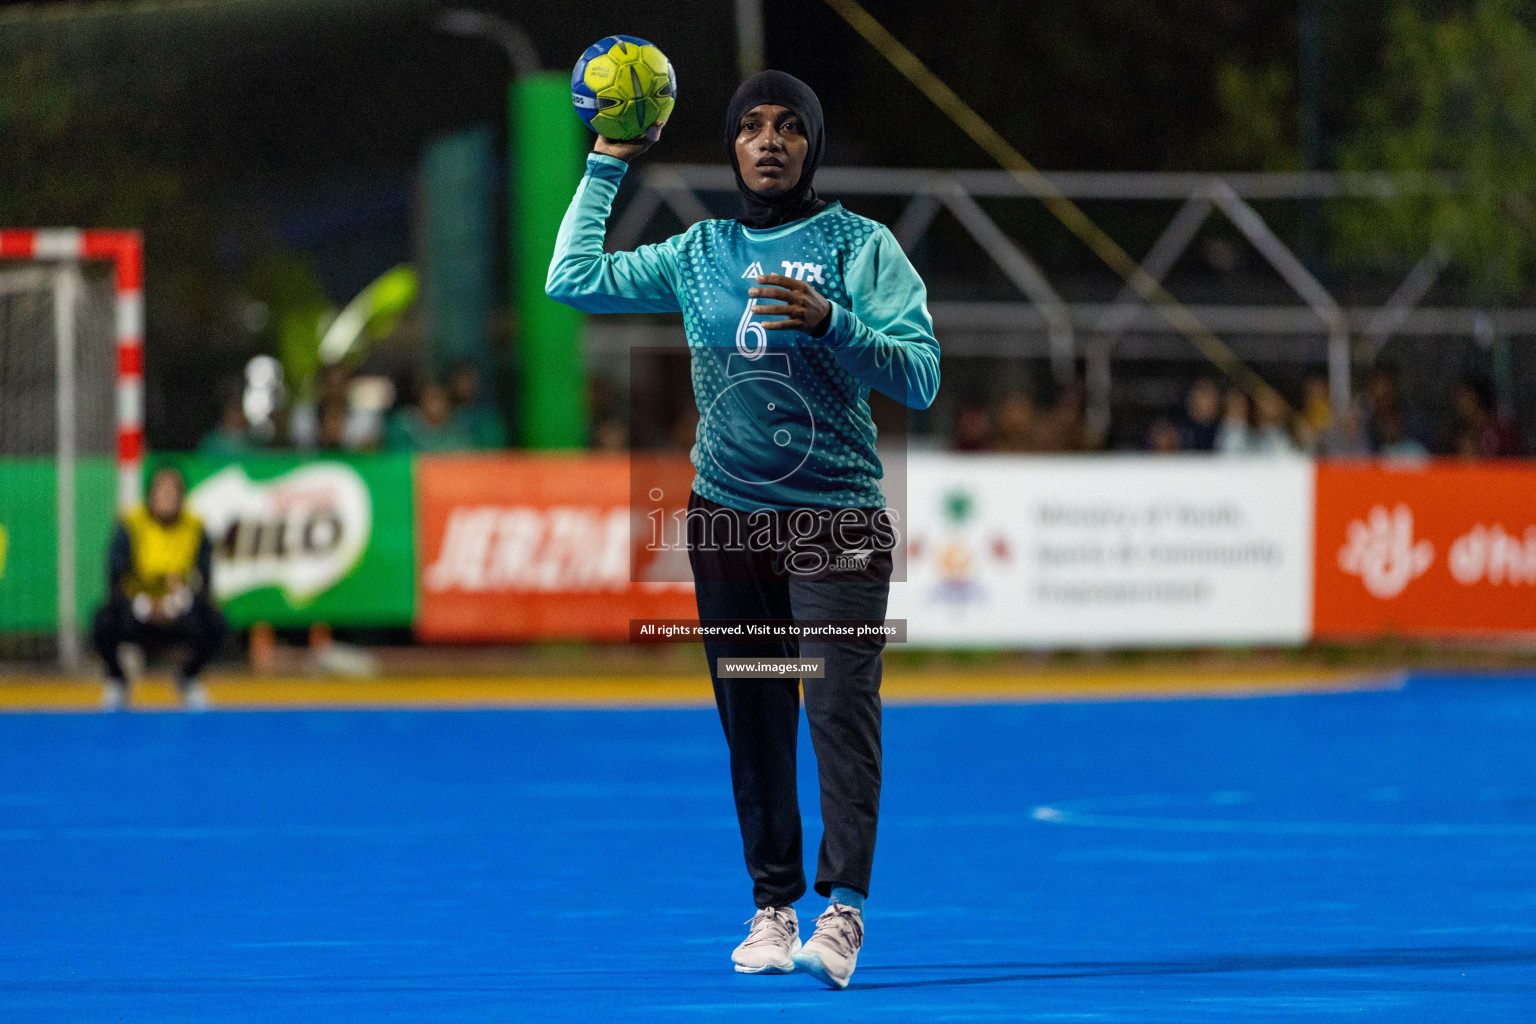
(618, 691)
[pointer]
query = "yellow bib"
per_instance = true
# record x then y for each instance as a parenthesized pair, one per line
(160, 551)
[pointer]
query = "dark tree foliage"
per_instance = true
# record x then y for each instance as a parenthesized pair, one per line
(198, 124)
(1455, 111)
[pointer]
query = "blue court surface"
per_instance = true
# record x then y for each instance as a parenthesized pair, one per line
(1360, 857)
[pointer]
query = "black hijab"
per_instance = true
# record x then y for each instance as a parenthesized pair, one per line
(779, 89)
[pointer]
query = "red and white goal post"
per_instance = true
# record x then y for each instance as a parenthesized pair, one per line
(125, 251)
(97, 391)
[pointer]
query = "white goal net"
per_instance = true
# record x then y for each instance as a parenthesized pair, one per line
(57, 473)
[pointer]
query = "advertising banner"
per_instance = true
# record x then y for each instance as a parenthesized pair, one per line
(298, 539)
(1107, 551)
(1004, 550)
(29, 540)
(1440, 549)
(528, 546)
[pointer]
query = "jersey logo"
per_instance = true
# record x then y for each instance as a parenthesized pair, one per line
(804, 271)
(755, 270)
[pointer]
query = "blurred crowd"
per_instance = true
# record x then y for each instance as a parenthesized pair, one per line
(1376, 423)
(351, 413)
(1017, 424)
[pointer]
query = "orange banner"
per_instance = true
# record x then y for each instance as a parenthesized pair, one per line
(1442, 549)
(523, 547)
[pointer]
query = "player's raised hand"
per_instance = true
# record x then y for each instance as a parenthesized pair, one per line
(628, 149)
(802, 307)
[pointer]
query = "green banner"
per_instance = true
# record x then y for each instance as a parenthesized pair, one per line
(301, 539)
(548, 144)
(29, 539)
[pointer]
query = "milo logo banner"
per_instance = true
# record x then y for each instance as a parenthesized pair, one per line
(301, 540)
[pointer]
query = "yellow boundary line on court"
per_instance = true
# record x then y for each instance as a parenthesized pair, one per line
(250, 693)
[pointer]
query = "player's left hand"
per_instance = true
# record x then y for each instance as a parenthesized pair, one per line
(802, 307)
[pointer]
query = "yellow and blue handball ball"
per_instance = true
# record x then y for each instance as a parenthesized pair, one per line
(622, 85)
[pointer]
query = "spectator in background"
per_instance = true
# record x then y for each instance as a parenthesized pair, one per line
(973, 427)
(1344, 437)
(1392, 441)
(1164, 437)
(304, 419)
(1317, 405)
(159, 590)
(334, 420)
(1270, 435)
(1464, 445)
(331, 432)
(429, 425)
(611, 436)
(1202, 416)
(230, 438)
(1387, 421)
(1234, 435)
(1016, 427)
(1480, 432)
(476, 419)
(1065, 427)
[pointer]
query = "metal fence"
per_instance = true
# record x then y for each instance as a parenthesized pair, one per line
(1316, 328)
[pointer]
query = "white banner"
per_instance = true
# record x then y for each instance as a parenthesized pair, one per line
(1107, 551)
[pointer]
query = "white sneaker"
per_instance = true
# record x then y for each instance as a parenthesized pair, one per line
(114, 696)
(194, 695)
(771, 945)
(832, 951)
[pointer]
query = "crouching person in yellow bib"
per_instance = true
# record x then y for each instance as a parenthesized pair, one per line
(159, 590)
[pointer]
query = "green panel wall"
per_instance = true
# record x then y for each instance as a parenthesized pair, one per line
(29, 595)
(548, 147)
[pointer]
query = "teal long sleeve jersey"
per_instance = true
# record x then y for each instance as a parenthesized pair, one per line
(783, 417)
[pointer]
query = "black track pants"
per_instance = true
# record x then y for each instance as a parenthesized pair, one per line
(201, 628)
(761, 716)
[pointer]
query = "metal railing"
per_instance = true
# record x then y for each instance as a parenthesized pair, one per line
(1099, 333)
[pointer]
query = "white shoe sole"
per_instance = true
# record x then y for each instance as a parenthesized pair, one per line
(811, 964)
(767, 969)
(784, 967)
